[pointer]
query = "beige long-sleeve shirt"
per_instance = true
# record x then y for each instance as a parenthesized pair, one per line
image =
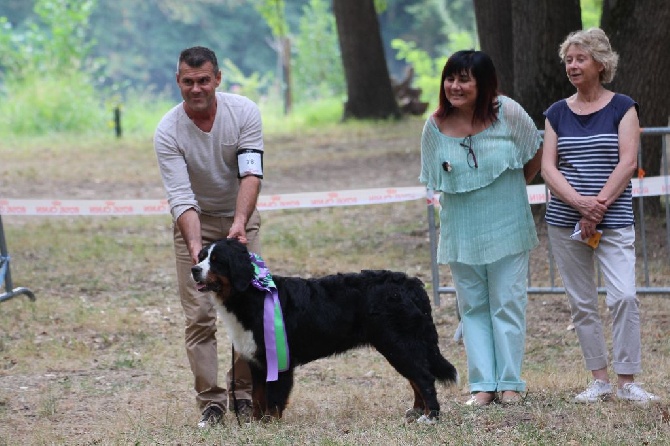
(199, 169)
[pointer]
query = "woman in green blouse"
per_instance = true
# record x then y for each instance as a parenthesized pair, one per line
(480, 149)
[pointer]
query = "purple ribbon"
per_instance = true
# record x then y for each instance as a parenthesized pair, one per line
(274, 331)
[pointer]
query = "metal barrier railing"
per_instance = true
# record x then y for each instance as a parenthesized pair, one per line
(553, 288)
(645, 288)
(6, 273)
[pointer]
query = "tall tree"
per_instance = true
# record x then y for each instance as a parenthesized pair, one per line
(639, 32)
(494, 25)
(369, 90)
(537, 30)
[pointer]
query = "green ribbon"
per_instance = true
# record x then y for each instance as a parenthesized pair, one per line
(276, 342)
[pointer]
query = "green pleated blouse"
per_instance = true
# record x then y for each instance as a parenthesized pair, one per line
(485, 214)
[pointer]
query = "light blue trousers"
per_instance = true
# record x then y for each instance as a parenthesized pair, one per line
(492, 302)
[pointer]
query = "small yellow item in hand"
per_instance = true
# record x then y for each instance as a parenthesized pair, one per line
(592, 241)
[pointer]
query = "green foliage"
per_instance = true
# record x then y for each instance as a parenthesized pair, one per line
(318, 114)
(437, 29)
(141, 40)
(47, 82)
(56, 44)
(591, 12)
(235, 81)
(192, 11)
(141, 110)
(274, 14)
(67, 45)
(317, 66)
(461, 40)
(380, 5)
(427, 71)
(60, 37)
(444, 27)
(40, 105)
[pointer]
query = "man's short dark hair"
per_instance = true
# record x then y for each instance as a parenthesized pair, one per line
(197, 56)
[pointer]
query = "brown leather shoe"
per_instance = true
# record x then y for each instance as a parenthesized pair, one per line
(480, 399)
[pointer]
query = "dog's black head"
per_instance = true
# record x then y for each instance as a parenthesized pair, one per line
(222, 265)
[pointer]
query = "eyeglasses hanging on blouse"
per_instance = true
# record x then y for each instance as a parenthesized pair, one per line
(467, 145)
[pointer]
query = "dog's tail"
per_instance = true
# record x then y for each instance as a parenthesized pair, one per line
(443, 370)
(439, 366)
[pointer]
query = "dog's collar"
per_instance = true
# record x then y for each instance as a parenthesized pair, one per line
(276, 343)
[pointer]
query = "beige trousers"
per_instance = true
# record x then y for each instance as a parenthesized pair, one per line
(616, 257)
(200, 318)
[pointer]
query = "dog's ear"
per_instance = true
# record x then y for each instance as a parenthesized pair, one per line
(235, 256)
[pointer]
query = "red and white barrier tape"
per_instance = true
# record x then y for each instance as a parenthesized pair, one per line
(158, 207)
(648, 186)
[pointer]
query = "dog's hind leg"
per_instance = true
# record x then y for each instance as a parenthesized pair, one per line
(419, 407)
(411, 363)
(425, 387)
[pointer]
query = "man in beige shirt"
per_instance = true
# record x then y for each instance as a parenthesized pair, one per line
(210, 155)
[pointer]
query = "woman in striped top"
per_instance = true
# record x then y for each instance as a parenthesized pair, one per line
(590, 155)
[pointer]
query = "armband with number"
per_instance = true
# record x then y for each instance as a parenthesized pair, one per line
(249, 162)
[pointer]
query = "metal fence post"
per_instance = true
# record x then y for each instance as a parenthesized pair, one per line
(434, 268)
(6, 274)
(553, 288)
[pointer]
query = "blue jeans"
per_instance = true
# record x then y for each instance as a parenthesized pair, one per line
(492, 302)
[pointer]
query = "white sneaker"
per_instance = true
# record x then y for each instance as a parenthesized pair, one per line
(598, 390)
(635, 393)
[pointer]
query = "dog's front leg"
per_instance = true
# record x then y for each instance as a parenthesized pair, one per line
(278, 393)
(264, 410)
(258, 393)
(258, 399)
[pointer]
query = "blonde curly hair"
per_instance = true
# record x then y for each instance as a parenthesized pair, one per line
(595, 42)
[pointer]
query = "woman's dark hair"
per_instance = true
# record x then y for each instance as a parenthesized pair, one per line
(480, 66)
(197, 56)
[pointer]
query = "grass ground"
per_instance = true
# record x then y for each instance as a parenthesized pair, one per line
(98, 358)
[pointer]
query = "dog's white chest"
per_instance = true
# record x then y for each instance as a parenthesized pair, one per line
(243, 340)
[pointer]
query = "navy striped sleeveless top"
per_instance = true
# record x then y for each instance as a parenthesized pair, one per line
(588, 152)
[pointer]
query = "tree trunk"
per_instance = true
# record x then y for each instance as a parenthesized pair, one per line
(285, 43)
(538, 29)
(494, 29)
(639, 32)
(522, 37)
(368, 82)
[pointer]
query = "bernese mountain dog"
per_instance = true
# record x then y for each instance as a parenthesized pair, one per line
(322, 317)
